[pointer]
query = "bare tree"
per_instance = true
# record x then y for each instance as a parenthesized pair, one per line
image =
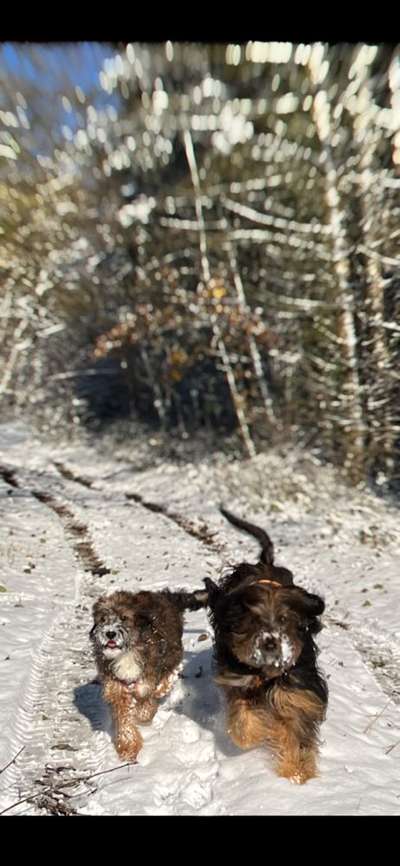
(352, 420)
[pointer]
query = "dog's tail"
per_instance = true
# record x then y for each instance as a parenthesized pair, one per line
(189, 600)
(267, 547)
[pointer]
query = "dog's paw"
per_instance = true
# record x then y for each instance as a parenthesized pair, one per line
(127, 755)
(298, 779)
(297, 775)
(128, 746)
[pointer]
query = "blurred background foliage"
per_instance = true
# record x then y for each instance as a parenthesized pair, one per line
(204, 238)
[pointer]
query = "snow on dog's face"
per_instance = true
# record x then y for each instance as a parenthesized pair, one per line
(118, 627)
(265, 627)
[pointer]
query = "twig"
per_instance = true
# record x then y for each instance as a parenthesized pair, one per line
(12, 760)
(103, 772)
(392, 747)
(52, 788)
(24, 800)
(375, 719)
(289, 225)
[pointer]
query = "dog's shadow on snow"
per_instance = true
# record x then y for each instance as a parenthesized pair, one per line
(89, 702)
(202, 700)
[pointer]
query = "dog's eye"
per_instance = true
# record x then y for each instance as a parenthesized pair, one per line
(283, 619)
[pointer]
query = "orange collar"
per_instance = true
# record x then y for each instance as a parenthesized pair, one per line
(272, 582)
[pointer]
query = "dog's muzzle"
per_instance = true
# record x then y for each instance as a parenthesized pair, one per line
(110, 637)
(274, 652)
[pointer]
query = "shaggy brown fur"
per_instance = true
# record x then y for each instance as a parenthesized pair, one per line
(137, 640)
(266, 659)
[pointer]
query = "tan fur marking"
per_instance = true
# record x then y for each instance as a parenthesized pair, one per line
(289, 704)
(245, 725)
(294, 760)
(288, 727)
(294, 737)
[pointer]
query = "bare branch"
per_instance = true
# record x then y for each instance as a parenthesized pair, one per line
(53, 788)
(12, 760)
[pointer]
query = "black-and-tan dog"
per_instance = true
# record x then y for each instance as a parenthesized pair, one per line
(266, 659)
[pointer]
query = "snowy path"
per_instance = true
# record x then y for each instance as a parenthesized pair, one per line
(75, 524)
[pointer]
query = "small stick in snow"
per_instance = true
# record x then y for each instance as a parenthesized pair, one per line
(378, 715)
(392, 747)
(12, 760)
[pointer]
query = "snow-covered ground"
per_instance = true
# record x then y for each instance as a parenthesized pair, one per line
(76, 522)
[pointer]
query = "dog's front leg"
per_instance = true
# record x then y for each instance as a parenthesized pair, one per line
(128, 740)
(297, 756)
(246, 723)
(293, 732)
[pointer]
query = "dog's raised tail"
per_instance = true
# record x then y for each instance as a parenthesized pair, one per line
(267, 547)
(190, 600)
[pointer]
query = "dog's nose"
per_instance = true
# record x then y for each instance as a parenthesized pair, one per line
(111, 634)
(269, 643)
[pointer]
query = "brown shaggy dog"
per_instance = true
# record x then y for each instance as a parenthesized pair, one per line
(137, 641)
(266, 659)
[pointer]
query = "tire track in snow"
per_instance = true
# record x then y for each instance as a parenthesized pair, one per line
(47, 723)
(201, 532)
(51, 729)
(381, 655)
(75, 530)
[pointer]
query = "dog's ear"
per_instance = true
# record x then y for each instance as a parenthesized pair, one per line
(99, 607)
(310, 604)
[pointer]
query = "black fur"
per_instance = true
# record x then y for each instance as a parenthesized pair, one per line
(188, 600)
